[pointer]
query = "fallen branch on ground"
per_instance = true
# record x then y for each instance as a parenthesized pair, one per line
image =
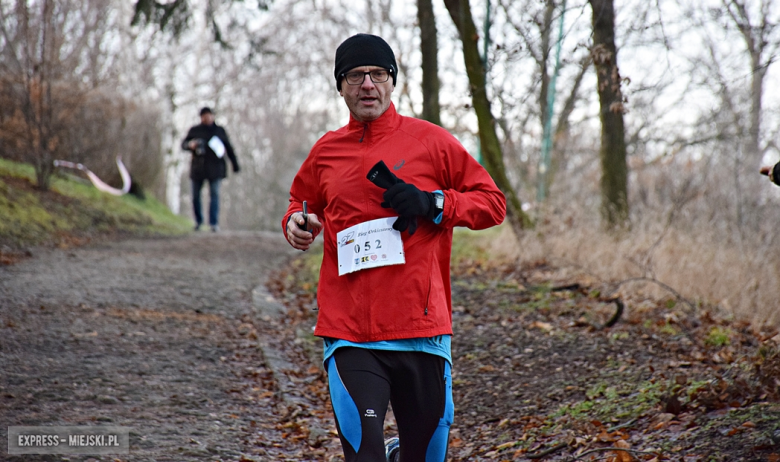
(547, 452)
(594, 451)
(666, 287)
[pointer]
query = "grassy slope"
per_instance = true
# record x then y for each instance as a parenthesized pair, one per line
(73, 212)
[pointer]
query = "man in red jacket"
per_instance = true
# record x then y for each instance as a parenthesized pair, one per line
(385, 309)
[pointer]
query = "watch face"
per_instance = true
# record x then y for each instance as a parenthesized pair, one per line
(439, 201)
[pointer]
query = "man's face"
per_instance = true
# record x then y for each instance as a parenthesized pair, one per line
(207, 118)
(368, 100)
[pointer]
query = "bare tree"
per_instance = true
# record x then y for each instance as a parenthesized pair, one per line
(762, 46)
(532, 26)
(460, 12)
(51, 64)
(429, 49)
(614, 169)
(734, 78)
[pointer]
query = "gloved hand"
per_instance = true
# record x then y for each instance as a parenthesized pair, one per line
(408, 200)
(381, 176)
(404, 223)
(236, 169)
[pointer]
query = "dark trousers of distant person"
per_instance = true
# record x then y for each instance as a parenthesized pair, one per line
(197, 185)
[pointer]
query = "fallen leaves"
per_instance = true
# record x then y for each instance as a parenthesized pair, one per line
(623, 456)
(531, 374)
(545, 326)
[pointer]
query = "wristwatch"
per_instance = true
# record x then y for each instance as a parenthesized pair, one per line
(438, 203)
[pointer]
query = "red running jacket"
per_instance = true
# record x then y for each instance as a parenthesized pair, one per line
(399, 301)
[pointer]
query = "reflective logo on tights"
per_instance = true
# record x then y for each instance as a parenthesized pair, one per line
(370, 413)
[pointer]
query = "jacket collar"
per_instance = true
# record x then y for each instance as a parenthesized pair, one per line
(377, 128)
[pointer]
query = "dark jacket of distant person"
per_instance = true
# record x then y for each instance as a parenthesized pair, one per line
(208, 166)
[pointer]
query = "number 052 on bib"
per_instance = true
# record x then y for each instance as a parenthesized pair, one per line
(370, 244)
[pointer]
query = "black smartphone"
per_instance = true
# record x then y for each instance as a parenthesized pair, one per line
(305, 225)
(381, 176)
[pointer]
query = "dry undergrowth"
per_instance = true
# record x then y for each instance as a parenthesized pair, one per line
(695, 266)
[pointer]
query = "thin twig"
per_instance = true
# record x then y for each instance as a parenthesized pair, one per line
(566, 288)
(618, 312)
(547, 452)
(593, 451)
(623, 425)
(666, 287)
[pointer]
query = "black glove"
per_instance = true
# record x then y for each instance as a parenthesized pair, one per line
(236, 169)
(408, 200)
(381, 176)
(404, 223)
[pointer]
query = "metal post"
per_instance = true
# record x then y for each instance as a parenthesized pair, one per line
(544, 160)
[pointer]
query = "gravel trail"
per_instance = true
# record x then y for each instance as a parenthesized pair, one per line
(154, 334)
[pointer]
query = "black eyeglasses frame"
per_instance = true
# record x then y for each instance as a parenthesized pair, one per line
(389, 74)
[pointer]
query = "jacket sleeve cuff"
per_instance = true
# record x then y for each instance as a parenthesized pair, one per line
(437, 219)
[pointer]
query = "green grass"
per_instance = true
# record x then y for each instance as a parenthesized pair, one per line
(718, 336)
(606, 400)
(73, 208)
(16, 169)
(309, 268)
(473, 246)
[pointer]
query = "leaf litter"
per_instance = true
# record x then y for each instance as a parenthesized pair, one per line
(538, 376)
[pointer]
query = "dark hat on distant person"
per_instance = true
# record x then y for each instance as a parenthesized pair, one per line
(364, 50)
(206, 110)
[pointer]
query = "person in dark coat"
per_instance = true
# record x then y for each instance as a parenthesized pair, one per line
(773, 172)
(209, 144)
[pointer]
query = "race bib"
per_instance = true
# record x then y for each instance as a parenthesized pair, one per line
(369, 245)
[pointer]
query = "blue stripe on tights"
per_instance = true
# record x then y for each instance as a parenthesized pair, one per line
(437, 448)
(344, 407)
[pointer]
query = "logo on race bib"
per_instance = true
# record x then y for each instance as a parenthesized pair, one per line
(373, 257)
(348, 239)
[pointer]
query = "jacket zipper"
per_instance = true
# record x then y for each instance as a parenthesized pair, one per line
(365, 127)
(428, 297)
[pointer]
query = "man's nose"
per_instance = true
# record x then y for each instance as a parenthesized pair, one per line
(367, 82)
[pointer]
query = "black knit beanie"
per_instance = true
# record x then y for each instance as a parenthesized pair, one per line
(364, 50)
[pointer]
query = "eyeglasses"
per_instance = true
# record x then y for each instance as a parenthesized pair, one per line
(377, 76)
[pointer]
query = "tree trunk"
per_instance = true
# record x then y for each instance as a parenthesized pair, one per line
(614, 170)
(44, 166)
(429, 48)
(756, 95)
(460, 12)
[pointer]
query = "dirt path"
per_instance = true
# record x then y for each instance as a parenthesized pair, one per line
(157, 335)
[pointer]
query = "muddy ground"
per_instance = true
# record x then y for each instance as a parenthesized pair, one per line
(156, 334)
(202, 345)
